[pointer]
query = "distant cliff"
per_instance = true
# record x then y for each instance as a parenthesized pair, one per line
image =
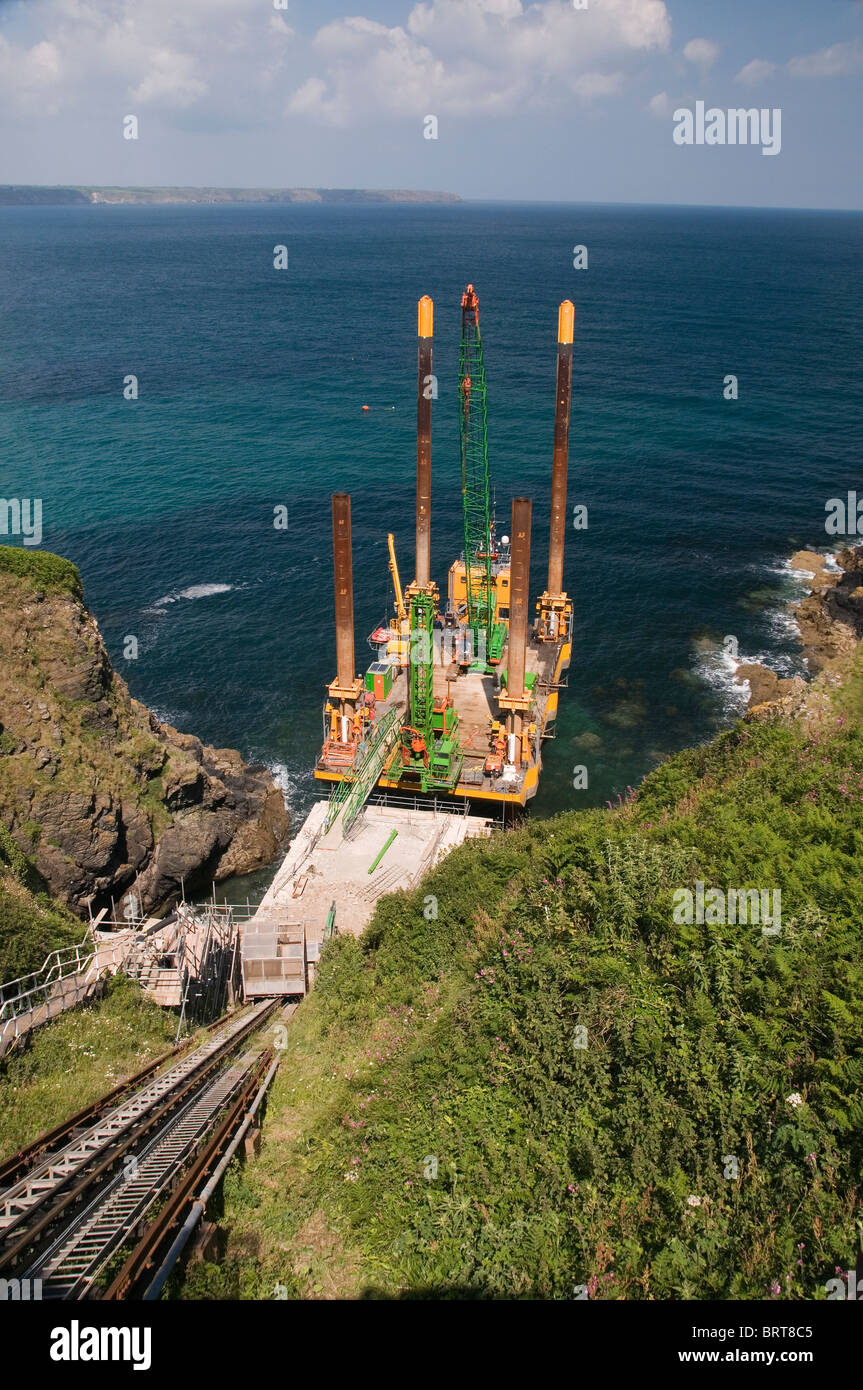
(24, 194)
(99, 795)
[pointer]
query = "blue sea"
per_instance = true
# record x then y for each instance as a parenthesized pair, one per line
(251, 387)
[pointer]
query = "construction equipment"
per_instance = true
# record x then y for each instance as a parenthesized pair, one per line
(431, 753)
(461, 732)
(487, 634)
(343, 710)
(394, 571)
(368, 764)
(398, 644)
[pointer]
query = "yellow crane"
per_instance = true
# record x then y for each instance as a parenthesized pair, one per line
(394, 571)
(398, 647)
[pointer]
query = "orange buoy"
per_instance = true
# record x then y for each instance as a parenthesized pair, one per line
(365, 407)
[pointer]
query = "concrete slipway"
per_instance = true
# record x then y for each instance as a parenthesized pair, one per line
(281, 943)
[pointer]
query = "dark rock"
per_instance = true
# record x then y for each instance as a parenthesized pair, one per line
(185, 787)
(138, 833)
(132, 805)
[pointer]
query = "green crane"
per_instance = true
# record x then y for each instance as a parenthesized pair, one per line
(421, 659)
(431, 753)
(487, 635)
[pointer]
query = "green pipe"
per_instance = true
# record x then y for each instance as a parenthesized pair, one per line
(380, 854)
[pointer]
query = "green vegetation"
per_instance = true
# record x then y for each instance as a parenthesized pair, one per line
(533, 1075)
(702, 1137)
(84, 1053)
(32, 924)
(45, 571)
(849, 699)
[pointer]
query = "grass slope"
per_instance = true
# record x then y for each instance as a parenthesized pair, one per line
(50, 573)
(437, 1130)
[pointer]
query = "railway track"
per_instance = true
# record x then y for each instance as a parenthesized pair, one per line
(74, 1197)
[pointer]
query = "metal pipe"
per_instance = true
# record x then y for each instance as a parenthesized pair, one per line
(519, 588)
(381, 852)
(344, 589)
(565, 324)
(200, 1205)
(425, 386)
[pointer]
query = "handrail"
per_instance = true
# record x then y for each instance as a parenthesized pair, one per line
(52, 955)
(58, 965)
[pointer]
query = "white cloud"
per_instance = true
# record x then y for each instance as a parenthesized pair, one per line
(101, 57)
(29, 76)
(598, 84)
(467, 56)
(840, 60)
(756, 71)
(702, 51)
(171, 79)
(232, 62)
(660, 105)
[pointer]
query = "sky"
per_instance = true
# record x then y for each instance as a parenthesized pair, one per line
(560, 100)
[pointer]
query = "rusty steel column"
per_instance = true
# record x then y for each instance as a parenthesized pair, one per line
(565, 322)
(425, 330)
(344, 589)
(519, 585)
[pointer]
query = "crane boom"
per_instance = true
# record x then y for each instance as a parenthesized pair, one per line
(397, 584)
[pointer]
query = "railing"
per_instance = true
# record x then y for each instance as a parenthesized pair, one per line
(21, 995)
(368, 764)
(66, 978)
(404, 801)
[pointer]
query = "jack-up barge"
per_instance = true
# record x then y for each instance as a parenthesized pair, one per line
(463, 691)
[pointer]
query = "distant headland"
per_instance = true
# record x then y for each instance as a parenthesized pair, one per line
(22, 195)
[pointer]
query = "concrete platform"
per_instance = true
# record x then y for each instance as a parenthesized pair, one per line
(321, 869)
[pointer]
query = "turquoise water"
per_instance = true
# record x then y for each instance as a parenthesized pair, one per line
(251, 388)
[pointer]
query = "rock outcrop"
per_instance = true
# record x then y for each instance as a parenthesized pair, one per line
(831, 617)
(830, 620)
(106, 800)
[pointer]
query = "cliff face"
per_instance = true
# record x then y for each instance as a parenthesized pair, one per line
(101, 795)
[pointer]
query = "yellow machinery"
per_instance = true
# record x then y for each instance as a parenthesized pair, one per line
(399, 643)
(457, 591)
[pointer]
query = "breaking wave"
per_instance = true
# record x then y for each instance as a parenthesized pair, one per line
(718, 670)
(195, 591)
